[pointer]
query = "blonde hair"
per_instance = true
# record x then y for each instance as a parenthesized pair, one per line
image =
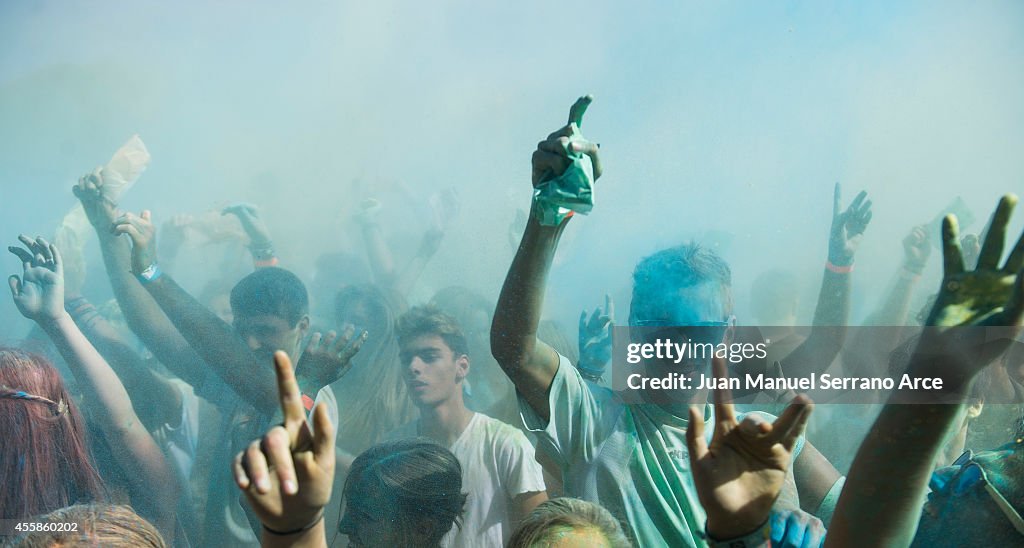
(104, 525)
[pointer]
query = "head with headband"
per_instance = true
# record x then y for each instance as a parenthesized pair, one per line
(44, 458)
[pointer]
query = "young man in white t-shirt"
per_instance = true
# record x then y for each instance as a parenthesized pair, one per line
(499, 472)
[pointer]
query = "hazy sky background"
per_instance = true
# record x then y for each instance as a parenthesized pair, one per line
(731, 117)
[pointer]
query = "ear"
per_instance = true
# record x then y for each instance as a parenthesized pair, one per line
(461, 368)
(304, 324)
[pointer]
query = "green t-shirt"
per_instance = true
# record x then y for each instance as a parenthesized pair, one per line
(629, 458)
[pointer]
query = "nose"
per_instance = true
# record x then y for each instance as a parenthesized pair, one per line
(415, 367)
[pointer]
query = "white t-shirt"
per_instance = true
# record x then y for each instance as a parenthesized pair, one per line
(631, 459)
(498, 465)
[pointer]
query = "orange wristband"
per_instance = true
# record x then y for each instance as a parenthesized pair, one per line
(838, 269)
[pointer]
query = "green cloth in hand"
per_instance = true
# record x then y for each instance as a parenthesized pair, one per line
(573, 190)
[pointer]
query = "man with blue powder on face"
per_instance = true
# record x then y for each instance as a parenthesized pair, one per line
(632, 458)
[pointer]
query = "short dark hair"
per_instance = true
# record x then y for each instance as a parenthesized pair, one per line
(418, 477)
(273, 291)
(665, 272)
(429, 320)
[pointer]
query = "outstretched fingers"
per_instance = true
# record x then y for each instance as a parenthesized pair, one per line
(323, 436)
(791, 424)
(725, 415)
(952, 255)
(290, 397)
(992, 247)
(578, 109)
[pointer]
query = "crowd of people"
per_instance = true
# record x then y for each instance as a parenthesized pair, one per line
(258, 412)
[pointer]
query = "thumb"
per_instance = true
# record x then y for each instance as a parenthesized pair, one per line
(15, 283)
(146, 215)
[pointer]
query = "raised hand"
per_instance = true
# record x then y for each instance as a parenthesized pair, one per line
(99, 209)
(916, 249)
(988, 295)
(141, 230)
(847, 227)
(328, 357)
(740, 474)
(595, 339)
(552, 154)
(287, 475)
(39, 293)
(252, 223)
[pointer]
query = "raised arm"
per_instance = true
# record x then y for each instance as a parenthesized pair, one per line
(142, 313)
(740, 474)
(870, 349)
(529, 363)
(211, 338)
(39, 296)
(832, 313)
(163, 401)
(260, 244)
(288, 475)
(881, 502)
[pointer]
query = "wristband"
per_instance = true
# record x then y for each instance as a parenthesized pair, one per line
(760, 537)
(307, 402)
(312, 524)
(264, 263)
(150, 274)
(839, 269)
(263, 251)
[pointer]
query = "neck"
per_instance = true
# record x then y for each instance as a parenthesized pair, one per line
(445, 422)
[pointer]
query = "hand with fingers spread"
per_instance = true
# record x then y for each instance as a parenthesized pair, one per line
(989, 294)
(595, 340)
(328, 357)
(252, 223)
(916, 249)
(847, 227)
(741, 472)
(39, 292)
(142, 231)
(287, 475)
(99, 209)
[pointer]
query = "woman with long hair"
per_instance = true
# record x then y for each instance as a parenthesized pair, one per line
(44, 458)
(373, 394)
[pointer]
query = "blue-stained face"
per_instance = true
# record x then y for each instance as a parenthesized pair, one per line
(694, 305)
(696, 314)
